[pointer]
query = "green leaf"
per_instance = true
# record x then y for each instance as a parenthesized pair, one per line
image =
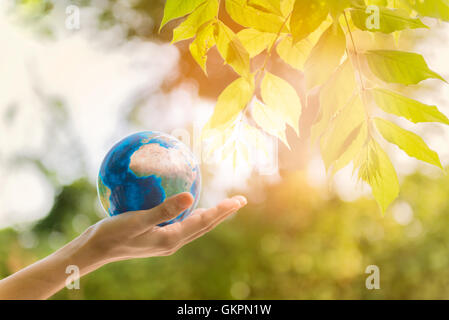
(199, 47)
(334, 96)
(399, 66)
(325, 56)
(390, 20)
(282, 98)
(175, 9)
(269, 119)
(272, 6)
(430, 8)
(232, 50)
(410, 109)
(255, 41)
(307, 17)
(376, 169)
(408, 141)
(345, 129)
(188, 28)
(231, 102)
(250, 17)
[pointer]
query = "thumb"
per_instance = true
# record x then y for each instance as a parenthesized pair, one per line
(169, 209)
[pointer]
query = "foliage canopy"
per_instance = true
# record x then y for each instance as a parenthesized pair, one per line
(315, 37)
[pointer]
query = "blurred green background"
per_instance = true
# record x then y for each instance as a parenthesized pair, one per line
(295, 240)
(298, 246)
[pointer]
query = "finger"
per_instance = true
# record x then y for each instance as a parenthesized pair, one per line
(173, 236)
(169, 209)
(211, 226)
(198, 224)
(198, 211)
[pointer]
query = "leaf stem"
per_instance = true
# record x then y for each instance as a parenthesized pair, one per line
(261, 70)
(359, 73)
(270, 49)
(355, 51)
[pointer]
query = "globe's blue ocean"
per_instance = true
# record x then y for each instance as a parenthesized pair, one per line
(145, 168)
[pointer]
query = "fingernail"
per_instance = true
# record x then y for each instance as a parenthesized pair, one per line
(242, 200)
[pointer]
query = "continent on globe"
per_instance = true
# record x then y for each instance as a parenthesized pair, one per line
(143, 169)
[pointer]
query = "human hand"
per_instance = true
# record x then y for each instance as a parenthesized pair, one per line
(137, 234)
(126, 236)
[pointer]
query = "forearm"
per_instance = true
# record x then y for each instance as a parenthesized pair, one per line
(46, 277)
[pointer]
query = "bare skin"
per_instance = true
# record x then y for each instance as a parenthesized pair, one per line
(126, 236)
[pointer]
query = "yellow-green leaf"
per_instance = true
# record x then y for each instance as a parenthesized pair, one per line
(431, 8)
(178, 8)
(231, 102)
(354, 144)
(296, 54)
(334, 96)
(255, 41)
(399, 66)
(343, 130)
(199, 47)
(325, 56)
(336, 7)
(376, 169)
(408, 141)
(272, 6)
(282, 98)
(188, 28)
(390, 20)
(287, 7)
(269, 120)
(232, 50)
(382, 3)
(251, 17)
(307, 17)
(410, 109)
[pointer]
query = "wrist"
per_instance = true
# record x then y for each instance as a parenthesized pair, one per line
(84, 253)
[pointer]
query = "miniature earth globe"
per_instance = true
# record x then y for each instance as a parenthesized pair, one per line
(143, 169)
